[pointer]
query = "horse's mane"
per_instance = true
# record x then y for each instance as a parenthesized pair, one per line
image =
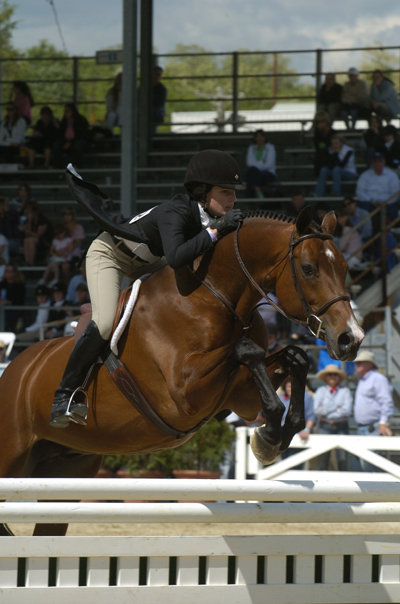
(279, 216)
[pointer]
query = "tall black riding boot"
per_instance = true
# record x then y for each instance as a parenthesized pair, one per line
(68, 406)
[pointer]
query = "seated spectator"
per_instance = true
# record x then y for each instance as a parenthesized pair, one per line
(82, 294)
(12, 289)
(75, 231)
(329, 97)
(4, 255)
(59, 258)
(73, 138)
(323, 133)
(261, 165)
(355, 101)
(37, 232)
(159, 97)
(57, 313)
(384, 98)
(9, 221)
(22, 97)
(377, 185)
(296, 204)
(12, 135)
(43, 138)
(340, 165)
(332, 407)
(358, 215)
(114, 103)
(77, 279)
(391, 147)
(32, 332)
(321, 209)
(348, 239)
(373, 137)
(24, 194)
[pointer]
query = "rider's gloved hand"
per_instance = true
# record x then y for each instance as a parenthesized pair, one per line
(227, 223)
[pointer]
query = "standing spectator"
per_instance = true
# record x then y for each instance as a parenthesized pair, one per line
(373, 402)
(37, 232)
(12, 134)
(32, 332)
(391, 147)
(43, 138)
(355, 101)
(373, 137)
(9, 221)
(340, 165)
(309, 417)
(59, 257)
(323, 133)
(348, 239)
(22, 97)
(12, 289)
(332, 407)
(377, 185)
(329, 97)
(73, 138)
(358, 215)
(114, 103)
(384, 98)
(75, 231)
(261, 165)
(159, 97)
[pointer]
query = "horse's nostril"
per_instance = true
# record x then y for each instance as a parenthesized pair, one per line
(345, 339)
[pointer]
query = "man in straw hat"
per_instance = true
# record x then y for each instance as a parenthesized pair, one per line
(332, 407)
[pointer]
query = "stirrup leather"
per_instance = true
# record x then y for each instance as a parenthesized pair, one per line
(78, 415)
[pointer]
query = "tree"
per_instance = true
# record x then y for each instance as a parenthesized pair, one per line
(7, 25)
(382, 59)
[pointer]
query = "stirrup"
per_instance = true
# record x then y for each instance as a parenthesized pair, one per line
(79, 412)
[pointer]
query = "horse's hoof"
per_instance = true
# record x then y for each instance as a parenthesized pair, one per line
(264, 452)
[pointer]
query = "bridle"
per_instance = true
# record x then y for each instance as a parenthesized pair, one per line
(313, 321)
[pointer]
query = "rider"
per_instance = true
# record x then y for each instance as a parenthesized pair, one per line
(174, 233)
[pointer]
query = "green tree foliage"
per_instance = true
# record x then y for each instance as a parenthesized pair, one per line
(7, 25)
(385, 60)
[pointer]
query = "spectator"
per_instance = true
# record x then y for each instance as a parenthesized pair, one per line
(261, 165)
(348, 240)
(9, 221)
(355, 101)
(75, 231)
(22, 97)
(82, 294)
(332, 407)
(78, 278)
(12, 135)
(37, 232)
(321, 209)
(391, 147)
(358, 215)
(384, 98)
(114, 103)
(24, 194)
(43, 138)
(159, 97)
(32, 332)
(12, 289)
(309, 417)
(373, 137)
(377, 185)
(4, 255)
(340, 165)
(323, 133)
(329, 97)
(59, 257)
(73, 138)
(373, 401)
(296, 204)
(57, 313)
(267, 312)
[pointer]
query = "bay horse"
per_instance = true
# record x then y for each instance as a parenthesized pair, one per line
(193, 351)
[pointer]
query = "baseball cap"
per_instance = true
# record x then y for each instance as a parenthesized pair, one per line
(353, 71)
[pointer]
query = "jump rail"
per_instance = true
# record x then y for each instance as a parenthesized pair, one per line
(248, 569)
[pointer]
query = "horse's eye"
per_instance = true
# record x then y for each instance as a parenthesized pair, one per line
(307, 269)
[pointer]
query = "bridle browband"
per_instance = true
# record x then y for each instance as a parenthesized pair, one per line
(313, 321)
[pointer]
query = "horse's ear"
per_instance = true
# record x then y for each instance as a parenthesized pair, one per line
(303, 220)
(329, 223)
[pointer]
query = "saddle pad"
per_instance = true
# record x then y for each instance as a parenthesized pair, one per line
(129, 306)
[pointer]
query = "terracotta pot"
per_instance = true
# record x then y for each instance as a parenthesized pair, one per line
(104, 473)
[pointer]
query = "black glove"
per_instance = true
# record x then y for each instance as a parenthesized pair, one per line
(227, 223)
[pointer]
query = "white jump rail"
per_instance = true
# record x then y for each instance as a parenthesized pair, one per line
(248, 569)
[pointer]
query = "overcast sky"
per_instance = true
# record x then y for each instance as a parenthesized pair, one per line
(217, 25)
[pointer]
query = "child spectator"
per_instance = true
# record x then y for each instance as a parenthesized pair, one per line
(43, 137)
(60, 256)
(12, 134)
(23, 99)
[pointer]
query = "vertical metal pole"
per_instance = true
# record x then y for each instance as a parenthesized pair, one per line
(145, 125)
(318, 71)
(1, 90)
(129, 106)
(235, 90)
(383, 210)
(75, 76)
(388, 337)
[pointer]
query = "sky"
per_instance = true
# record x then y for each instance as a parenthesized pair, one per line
(217, 25)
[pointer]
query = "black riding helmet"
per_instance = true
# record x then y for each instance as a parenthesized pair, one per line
(213, 168)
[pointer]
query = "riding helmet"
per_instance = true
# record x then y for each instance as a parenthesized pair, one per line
(215, 168)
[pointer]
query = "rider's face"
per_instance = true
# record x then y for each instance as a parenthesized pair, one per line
(220, 201)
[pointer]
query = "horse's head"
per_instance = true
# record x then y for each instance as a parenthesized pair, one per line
(312, 286)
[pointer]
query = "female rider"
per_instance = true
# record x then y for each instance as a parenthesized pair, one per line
(174, 233)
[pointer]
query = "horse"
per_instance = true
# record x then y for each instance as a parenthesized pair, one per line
(195, 348)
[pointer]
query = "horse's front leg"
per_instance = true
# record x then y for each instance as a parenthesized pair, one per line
(266, 439)
(296, 359)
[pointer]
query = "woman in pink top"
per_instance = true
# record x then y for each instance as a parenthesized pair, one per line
(23, 99)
